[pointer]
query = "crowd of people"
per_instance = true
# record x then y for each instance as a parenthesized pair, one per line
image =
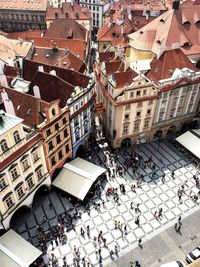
(133, 162)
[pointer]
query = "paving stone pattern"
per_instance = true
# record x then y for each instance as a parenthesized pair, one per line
(152, 195)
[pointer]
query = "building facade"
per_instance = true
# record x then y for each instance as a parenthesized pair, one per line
(23, 15)
(22, 166)
(82, 115)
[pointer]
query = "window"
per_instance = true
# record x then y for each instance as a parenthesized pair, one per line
(138, 114)
(25, 165)
(39, 173)
(85, 114)
(58, 139)
(125, 128)
(132, 94)
(150, 102)
(2, 183)
(53, 161)
(50, 144)
(97, 8)
(126, 117)
(60, 155)
(65, 133)
(128, 106)
(148, 111)
(146, 124)
(14, 173)
(30, 182)
(77, 136)
(20, 192)
(75, 122)
(86, 127)
(67, 148)
(4, 145)
(35, 156)
(16, 137)
(57, 127)
(9, 202)
(138, 93)
(145, 92)
(139, 105)
(53, 112)
(136, 126)
(94, 8)
(48, 132)
(64, 120)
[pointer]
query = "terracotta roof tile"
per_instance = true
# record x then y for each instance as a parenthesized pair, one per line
(113, 66)
(174, 26)
(106, 56)
(124, 78)
(164, 67)
(51, 88)
(27, 107)
(11, 72)
(71, 11)
(58, 57)
(66, 28)
(70, 76)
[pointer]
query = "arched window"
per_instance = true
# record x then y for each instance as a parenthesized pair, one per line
(4, 145)
(16, 137)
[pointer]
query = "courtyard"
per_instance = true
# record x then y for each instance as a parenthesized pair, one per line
(116, 220)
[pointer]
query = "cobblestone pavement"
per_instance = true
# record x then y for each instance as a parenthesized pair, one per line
(152, 196)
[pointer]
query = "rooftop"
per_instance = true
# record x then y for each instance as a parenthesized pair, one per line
(39, 5)
(8, 121)
(174, 27)
(68, 10)
(66, 28)
(70, 76)
(165, 66)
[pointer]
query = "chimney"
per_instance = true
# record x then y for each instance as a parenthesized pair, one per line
(147, 16)
(176, 4)
(36, 91)
(7, 103)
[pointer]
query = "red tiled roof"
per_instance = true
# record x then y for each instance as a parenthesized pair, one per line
(113, 66)
(173, 27)
(73, 12)
(66, 28)
(164, 67)
(51, 88)
(138, 5)
(115, 29)
(27, 107)
(70, 76)
(124, 77)
(58, 57)
(106, 56)
(11, 72)
(76, 46)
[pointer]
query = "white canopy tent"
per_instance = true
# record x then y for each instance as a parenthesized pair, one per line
(15, 251)
(77, 177)
(191, 141)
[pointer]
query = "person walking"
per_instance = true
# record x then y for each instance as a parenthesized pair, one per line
(140, 242)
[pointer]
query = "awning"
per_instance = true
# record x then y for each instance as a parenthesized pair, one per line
(15, 251)
(77, 177)
(191, 141)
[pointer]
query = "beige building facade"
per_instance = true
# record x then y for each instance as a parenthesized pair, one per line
(22, 166)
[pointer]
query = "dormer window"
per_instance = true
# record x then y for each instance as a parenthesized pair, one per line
(162, 20)
(16, 137)
(53, 111)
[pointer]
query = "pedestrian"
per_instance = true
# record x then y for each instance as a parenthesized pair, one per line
(175, 226)
(104, 242)
(155, 214)
(163, 178)
(115, 223)
(125, 229)
(160, 213)
(137, 210)
(137, 221)
(173, 174)
(116, 250)
(179, 220)
(179, 229)
(140, 242)
(131, 206)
